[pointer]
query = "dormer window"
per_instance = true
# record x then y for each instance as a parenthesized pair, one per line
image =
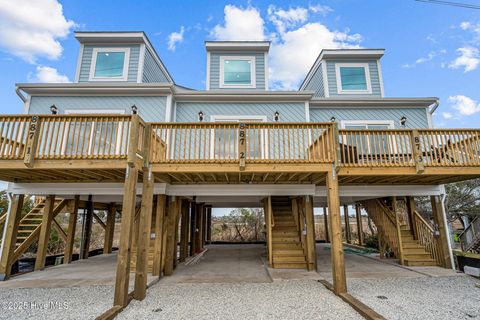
(237, 72)
(109, 64)
(353, 78)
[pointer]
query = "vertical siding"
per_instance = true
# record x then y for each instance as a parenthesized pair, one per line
(188, 111)
(259, 68)
(416, 117)
(316, 82)
(374, 78)
(151, 109)
(87, 60)
(152, 71)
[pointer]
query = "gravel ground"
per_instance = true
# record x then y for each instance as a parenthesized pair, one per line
(450, 298)
(71, 303)
(277, 300)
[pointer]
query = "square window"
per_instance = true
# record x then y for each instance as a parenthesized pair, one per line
(353, 78)
(237, 72)
(109, 64)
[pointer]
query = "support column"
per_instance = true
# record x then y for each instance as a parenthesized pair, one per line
(440, 219)
(198, 228)
(177, 233)
(124, 250)
(338, 262)
(411, 211)
(311, 243)
(358, 211)
(193, 225)
(348, 235)
(325, 221)
(109, 229)
(44, 233)
(184, 231)
(10, 238)
(171, 240)
(209, 225)
(72, 226)
(159, 226)
(87, 230)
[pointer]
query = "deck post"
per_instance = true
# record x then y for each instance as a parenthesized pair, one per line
(171, 240)
(209, 225)
(159, 227)
(109, 229)
(410, 210)
(44, 233)
(72, 226)
(87, 230)
(10, 238)
(325, 221)
(178, 213)
(358, 212)
(311, 243)
(124, 250)
(198, 228)
(441, 222)
(348, 234)
(193, 233)
(338, 262)
(184, 231)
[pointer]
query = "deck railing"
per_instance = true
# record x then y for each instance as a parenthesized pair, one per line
(471, 235)
(426, 236)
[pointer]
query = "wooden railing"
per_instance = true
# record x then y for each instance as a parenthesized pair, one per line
(252, 142)
(426, 236)
(13, 136)
(470, 235)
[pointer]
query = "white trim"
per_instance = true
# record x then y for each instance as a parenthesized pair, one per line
(429, 118)
(380, 78)
(265, 57)
(389, 123)
(383, 190)
(241, 189)
(326, 87)
(339, 79)
(237, 118)
(141, 63)
(207, 81)
(307, 111)
(237, 45)
(253, 80)
(168, 108)
(26, 105)
(79, 63)
(126, 63)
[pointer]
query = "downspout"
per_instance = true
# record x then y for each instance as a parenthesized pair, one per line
(435, 106)
(447, 229)
(19, 94)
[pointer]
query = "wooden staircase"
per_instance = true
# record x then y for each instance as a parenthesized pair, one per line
(396, 233)
(470, 238)
(288, 247)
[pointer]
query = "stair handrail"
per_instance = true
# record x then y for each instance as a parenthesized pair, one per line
(389, 233)
(426, 236)
(468, 235)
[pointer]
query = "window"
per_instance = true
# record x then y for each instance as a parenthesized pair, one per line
(370, 144)
(353, 78)
(237, 72)
(109, 64)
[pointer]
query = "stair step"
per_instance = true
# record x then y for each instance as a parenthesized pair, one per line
(284, 233)
(286, 246)
(414, 250)
(424, 255)
(289, 259)
(293, 251)
(290, 265)
(420, 262)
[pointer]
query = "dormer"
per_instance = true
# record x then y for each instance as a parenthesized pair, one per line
(237, 65)
(118, 57)
(346, 73)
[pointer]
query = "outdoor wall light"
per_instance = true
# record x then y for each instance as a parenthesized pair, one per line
(134, 109)
(200, 116)
(276, 115)
(53, 109)
(403, 121)
(333, 119)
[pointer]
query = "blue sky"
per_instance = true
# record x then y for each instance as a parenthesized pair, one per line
(431, 50)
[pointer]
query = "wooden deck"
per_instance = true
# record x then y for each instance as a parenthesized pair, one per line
(99, 148)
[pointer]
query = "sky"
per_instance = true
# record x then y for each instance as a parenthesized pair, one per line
(431, 50)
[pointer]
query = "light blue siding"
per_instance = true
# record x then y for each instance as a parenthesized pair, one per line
(316, 82)
(289, 112)
(416, 117)
(151, 109)
(152, 71)
(87, 60)
(374, 78)
(215, 68)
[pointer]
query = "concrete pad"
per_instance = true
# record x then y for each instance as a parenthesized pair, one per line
(229, 263)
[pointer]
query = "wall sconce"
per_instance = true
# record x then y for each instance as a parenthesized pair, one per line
(134, 109)
(403, 121)
(276, 115)
(200, 116)
(333, 119)
(53, 109)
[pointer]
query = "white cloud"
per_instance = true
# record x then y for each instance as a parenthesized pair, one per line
(49, 75)
(464, 105)
(447, 115)
(469, 59)
(240, 24)
(174, 38)
(471, 27)
(431, 55)
(321, 9)
(296, 42)
(31, 29)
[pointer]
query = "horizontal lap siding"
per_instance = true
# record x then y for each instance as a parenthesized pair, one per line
(374, 78)
(416, 117)
(215, 68)
(289, 112)
(152, 71)
(151, 109)
(316, 83)
(87, 61)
